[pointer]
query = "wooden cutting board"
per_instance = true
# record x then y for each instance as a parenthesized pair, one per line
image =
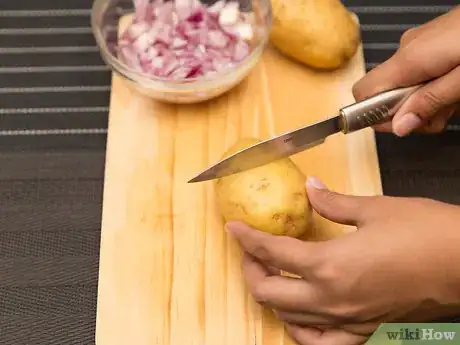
(169, 275)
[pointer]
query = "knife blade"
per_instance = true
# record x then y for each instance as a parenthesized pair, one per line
(272, 149)
(354, 117)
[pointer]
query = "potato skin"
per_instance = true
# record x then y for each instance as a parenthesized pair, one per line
(270, 198)
(319, 33)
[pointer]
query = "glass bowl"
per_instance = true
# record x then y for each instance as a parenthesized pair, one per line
(105, 20)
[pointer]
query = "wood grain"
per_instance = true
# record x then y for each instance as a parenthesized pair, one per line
(169, 275)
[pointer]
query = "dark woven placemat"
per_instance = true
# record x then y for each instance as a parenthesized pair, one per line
(54, 92)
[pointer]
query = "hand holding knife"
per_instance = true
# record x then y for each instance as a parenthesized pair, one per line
(367, 113)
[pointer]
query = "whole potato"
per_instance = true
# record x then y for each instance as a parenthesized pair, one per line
(271, 198)
(320, 33)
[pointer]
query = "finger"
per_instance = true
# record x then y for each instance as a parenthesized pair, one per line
(286, 253)
(409, 35)
(313, 336)
(273, 270)
(275, 291)
(438, 123)
(429, 100)
(304, 319)
(433, 125)
(303, 335)
(268, 270)
(339, 208)
(384, 127)
(409, 65)
(256, 268)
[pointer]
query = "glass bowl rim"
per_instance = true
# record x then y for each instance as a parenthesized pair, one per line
(160, 82)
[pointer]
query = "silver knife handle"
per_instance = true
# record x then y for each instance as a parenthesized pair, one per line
(374, 110)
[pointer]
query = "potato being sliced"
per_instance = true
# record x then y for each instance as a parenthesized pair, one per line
(271, 198)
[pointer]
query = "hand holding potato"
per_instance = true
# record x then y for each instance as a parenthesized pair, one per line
(429, 52)
(401, 265)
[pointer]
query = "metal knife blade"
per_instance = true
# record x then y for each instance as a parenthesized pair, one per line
(369, 112)
(273, 149)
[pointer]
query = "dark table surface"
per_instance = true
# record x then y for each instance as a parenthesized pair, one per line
(54, 93)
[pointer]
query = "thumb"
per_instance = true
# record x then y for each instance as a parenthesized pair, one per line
(436, 97)
(339, 208)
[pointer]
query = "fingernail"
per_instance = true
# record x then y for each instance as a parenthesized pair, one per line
(406, 124)
(314, 182)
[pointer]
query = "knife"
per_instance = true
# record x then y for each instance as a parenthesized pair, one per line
(369, 112)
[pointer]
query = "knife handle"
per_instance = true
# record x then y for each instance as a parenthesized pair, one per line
(374, 110)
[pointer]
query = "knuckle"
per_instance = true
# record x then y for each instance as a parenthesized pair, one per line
(358, 91)
(433, 101)
(261, 251)
(411, 63)
(408, 36)
(368, 85)
(404, 57)
(330, 197)
(349, 312)
(427, 103)
(333, 278)
(328, 272)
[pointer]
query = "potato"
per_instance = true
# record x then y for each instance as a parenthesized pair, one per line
(271, 198)
(319, 33)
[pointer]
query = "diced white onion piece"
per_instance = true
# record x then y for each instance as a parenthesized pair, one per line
(217, 6)
(158, 62)
(217, 39)
(178, 43)
(229, 14)
(244, 31)
(183, 39)
(142, 43)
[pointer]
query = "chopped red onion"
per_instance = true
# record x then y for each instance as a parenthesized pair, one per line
(185, 39)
